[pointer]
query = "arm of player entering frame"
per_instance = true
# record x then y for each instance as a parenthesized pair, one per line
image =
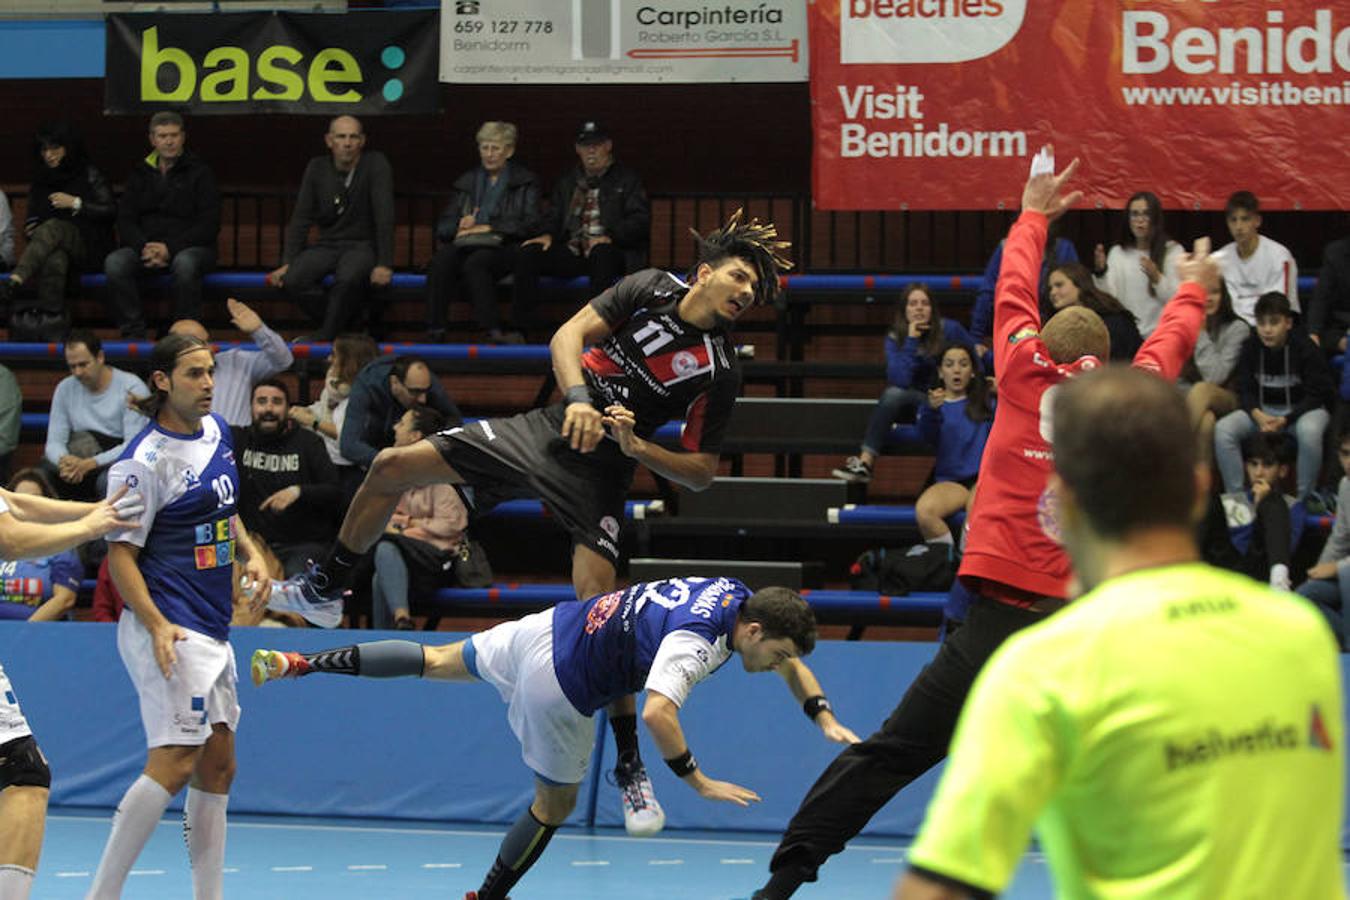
(585, 327)
(130, 584)
(803, 684)
(662, 718)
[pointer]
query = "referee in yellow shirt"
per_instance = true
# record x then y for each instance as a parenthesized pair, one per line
(1175, 732)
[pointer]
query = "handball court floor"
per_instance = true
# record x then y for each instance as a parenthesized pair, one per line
(346, 859)
(349, 859)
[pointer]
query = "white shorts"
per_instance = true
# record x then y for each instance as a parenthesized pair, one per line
(12, 723)
(517, 659)
(179, 711)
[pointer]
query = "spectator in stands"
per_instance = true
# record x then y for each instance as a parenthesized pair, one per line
(382, 392)
(167, 220)
(913, 346)
(1141, 269)
(239, 368)
(598, 225)
(1253, 264)
(422, 540)
(1210, 377)
(349, 196)
(1284, 385)
(955, 421)
(1071, 285)
(1058, 250)
(288, 489)
(351, 353)
(493, 207)
(7, 256)
(11, 402)
(45, 585)
(1329, 312)
(1328, 584)
(69, 226)
(1255, 529)
(91, 418)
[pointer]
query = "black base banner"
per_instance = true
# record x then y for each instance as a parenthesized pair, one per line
(359, 63)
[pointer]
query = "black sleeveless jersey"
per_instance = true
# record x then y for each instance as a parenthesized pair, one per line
(658, 365)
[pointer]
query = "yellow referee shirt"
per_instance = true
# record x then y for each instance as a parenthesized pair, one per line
(1175, 733)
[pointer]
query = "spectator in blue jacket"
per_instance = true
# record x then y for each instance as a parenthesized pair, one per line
(383, 391)
(914, 345)
(956, 422)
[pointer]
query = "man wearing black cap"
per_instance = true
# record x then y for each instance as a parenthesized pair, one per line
(598, 227)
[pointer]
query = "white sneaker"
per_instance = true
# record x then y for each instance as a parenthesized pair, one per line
(1279, 577)
(642, 815)
(854, 470)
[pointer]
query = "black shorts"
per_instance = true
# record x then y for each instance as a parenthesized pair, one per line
(525, 456)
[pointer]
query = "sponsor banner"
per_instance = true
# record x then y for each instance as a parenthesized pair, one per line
(610, 41)
(939, 104)
(363, 63)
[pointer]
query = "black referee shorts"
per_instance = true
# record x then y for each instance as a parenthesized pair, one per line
(525, 456)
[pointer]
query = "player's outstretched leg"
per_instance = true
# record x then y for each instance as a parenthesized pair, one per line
(375, 659)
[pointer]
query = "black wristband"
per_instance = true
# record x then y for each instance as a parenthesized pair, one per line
(577, 394)
(814, 706)
(684, 764)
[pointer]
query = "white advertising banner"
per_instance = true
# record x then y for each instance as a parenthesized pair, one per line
(614, 41)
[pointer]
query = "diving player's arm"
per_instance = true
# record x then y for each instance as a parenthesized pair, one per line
(581, 423)
(255, 569)
(804, 686)
(688, 469)
(37, 526)
(662, 718)
(127, 578)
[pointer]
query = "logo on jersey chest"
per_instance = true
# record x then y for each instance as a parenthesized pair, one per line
(214, 544)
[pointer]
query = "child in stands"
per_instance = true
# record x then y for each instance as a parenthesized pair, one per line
(1255, 531)
(956, 422)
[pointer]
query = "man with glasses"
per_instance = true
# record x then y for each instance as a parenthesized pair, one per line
(382, 393)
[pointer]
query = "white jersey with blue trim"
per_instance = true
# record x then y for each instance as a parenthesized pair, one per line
(187, 533)
(660, 635)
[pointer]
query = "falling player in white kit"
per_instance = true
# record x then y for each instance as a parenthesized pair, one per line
(555, 668)
(32, 526)
(175, 572)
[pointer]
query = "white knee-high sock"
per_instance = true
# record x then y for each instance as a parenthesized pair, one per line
(15, 882)
(137, 815)
(204, 831)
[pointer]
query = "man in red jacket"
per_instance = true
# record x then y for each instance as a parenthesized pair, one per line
(1014, 563)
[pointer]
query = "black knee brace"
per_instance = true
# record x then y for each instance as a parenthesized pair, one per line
(23, 765)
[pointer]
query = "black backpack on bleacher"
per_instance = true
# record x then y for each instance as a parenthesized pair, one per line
(903, 570)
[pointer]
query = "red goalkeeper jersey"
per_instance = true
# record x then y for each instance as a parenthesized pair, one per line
(1013, 539)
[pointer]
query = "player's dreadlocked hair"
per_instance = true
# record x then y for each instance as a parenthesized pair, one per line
(753, 241)
(164, 358)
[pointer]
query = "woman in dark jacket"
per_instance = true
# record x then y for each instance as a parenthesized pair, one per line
(1071, 284)
(69, 225)
(493, 208)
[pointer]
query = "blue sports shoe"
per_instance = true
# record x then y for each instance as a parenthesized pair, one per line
(302, 594)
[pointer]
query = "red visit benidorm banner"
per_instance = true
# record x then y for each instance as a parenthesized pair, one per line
(939, 104)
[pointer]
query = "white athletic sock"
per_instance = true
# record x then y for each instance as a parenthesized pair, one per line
(204, 831)
(944, 539)
(15, 882)
(137, 815)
